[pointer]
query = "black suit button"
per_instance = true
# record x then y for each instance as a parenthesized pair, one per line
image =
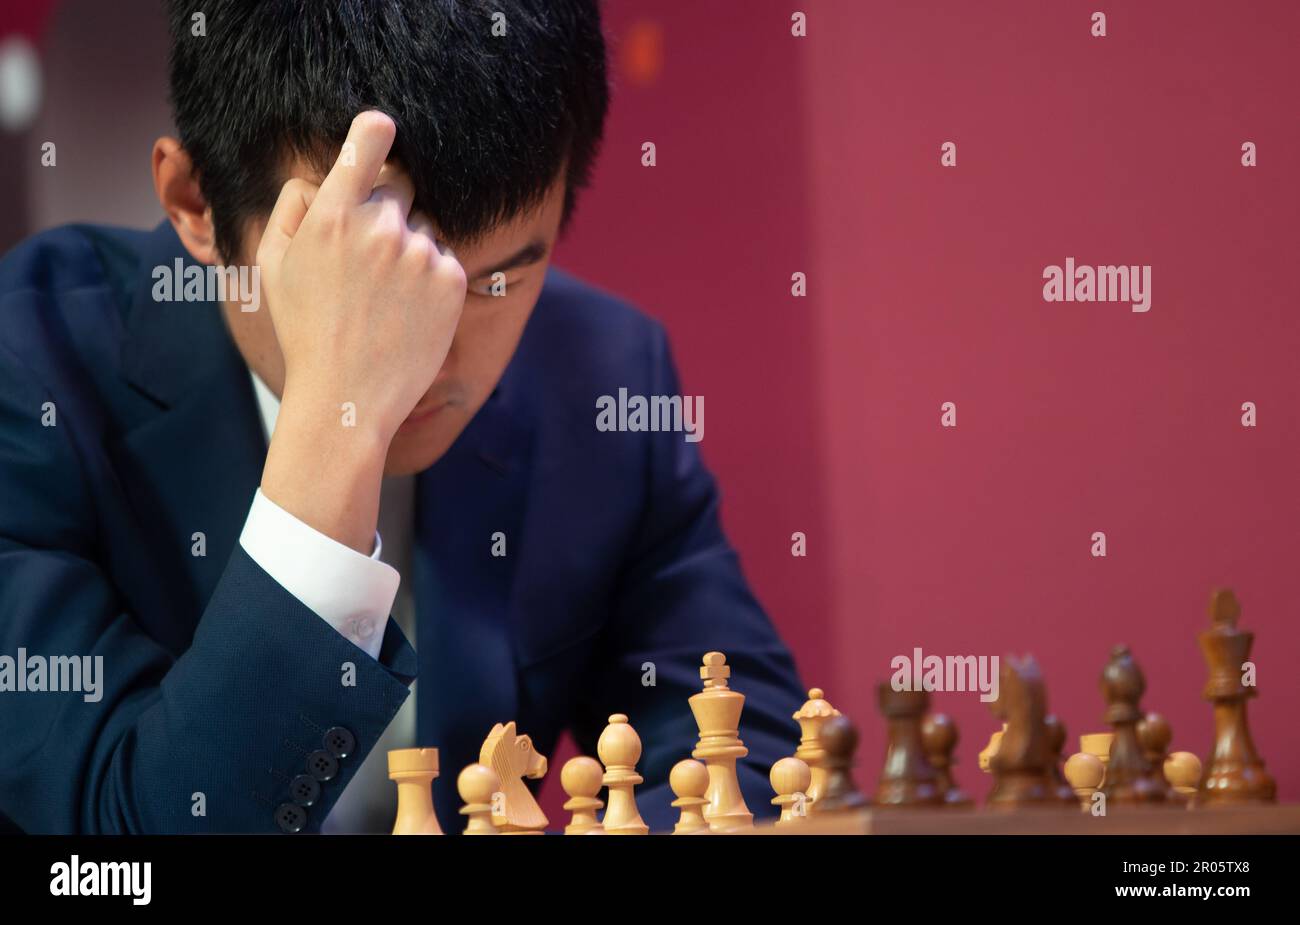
(304, 790)
(290, 817)
(322, 765)
(339, 742)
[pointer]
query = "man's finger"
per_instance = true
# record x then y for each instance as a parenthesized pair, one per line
(354, 174)
(295, 199)
(419, 224)
(395, 183)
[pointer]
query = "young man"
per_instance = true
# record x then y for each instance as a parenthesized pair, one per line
(225, 494)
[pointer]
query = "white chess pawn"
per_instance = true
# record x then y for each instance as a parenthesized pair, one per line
(581, 780)
(619, 748)
(790, 778)
(476, 785)
(1183, 771)
(1085, 773)
(689, 781)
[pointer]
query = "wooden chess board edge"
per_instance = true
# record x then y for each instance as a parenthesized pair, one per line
(1279, 819)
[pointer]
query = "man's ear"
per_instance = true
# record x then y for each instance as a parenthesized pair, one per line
(178, 191)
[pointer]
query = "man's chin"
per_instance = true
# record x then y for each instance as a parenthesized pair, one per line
(413, 452)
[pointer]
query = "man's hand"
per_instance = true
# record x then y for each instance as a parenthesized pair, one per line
(365, 309)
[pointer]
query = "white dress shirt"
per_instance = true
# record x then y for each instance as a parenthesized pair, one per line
(353, 593)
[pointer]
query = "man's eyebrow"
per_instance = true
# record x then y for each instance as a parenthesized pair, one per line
(529, 253)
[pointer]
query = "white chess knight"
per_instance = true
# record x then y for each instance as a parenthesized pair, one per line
(512, 757)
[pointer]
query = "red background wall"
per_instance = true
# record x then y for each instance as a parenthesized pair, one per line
(821, 154)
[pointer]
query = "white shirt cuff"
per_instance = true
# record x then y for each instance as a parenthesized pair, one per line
(351, 592)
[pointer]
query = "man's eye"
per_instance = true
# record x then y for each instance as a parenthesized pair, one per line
(495, 285)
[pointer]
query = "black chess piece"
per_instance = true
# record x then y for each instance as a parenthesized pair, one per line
(1154, 735)
(940, 735)
(1235, 772)
(907, 778)
(839, 740)
(1056, 782)
(1021, 764)
(1130, 778)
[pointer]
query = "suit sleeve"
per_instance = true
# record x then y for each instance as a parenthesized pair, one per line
(220, 738)
(683, 594)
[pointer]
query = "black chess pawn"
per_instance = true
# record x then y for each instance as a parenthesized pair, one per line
(839, 741)
(939, 734)
(1154, 735)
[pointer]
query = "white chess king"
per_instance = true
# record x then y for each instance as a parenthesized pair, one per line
(717, 713)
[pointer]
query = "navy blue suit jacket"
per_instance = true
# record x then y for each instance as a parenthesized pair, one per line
(218, 681)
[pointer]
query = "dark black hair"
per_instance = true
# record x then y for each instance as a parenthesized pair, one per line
(485, 122)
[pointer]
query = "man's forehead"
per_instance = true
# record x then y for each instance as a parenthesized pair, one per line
(499, 245)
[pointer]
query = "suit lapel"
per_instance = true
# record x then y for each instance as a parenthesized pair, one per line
(193, 465)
